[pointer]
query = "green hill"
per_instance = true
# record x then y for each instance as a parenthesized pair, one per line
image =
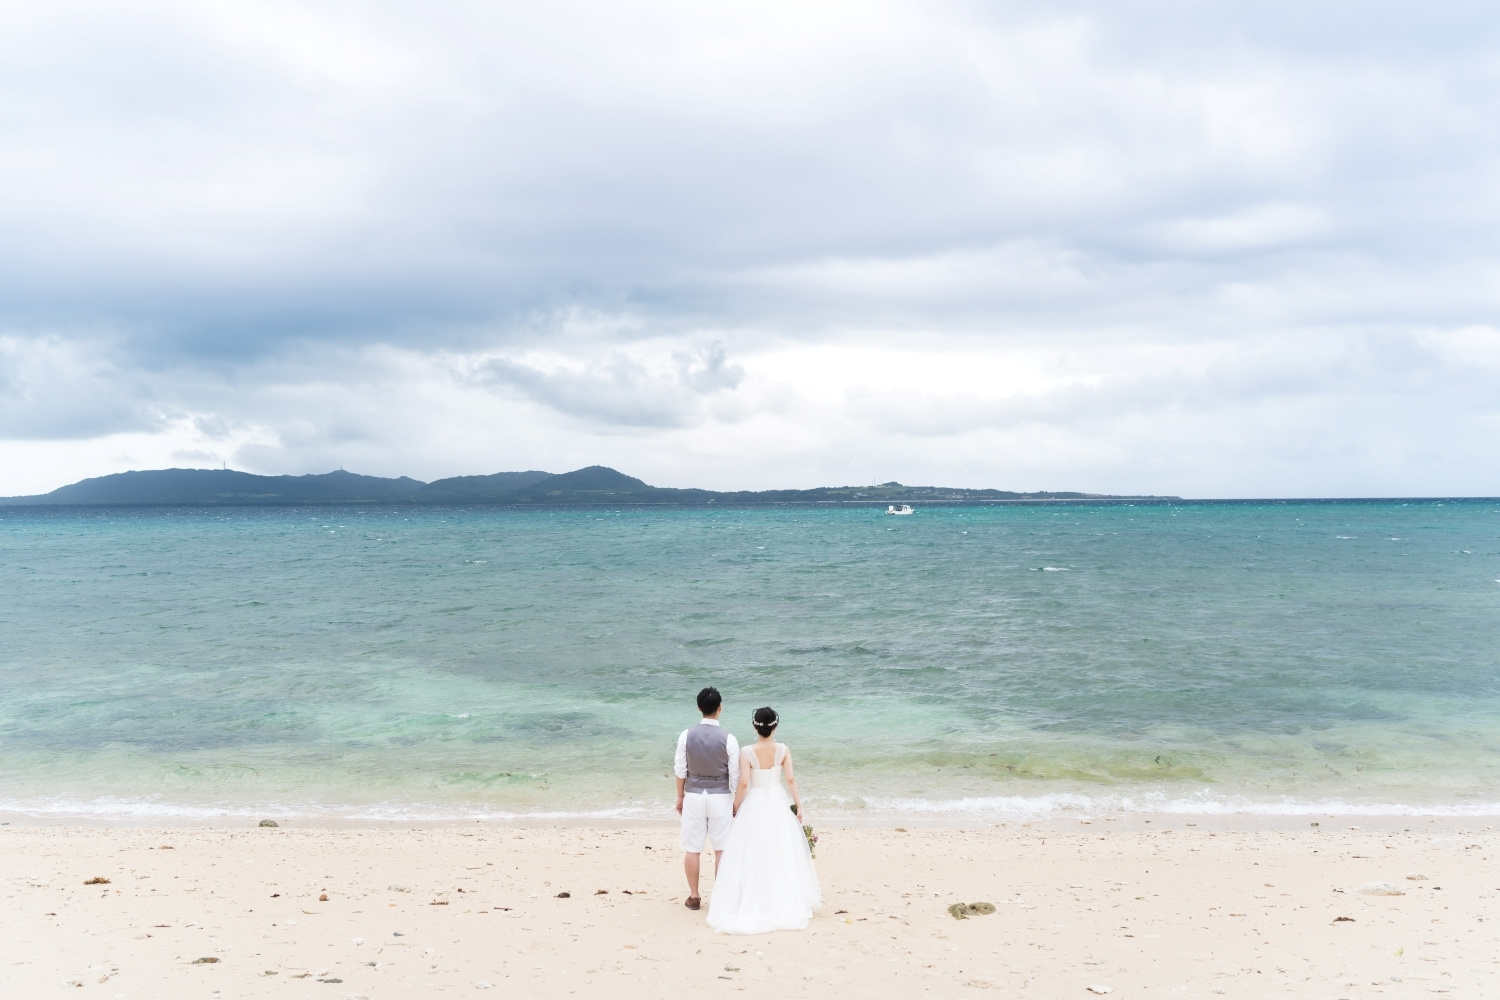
(220, 486)
(594, 485)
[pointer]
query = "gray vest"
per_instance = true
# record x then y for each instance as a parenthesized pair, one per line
(708, 759)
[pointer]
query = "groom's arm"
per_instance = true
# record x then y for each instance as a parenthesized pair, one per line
(679, 768)
(733, 746)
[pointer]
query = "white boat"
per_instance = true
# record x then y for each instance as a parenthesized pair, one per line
(900, 508)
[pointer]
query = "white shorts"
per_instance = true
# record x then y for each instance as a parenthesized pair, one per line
(705, 814)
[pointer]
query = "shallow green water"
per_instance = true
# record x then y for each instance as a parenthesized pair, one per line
(1006, 661)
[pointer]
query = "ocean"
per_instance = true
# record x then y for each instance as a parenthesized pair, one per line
(387, 663)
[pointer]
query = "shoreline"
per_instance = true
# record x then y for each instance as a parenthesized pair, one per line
(1060, 809)
(378, 912)
(1141, 822)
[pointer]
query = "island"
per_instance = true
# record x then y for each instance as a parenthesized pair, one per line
(594, 485)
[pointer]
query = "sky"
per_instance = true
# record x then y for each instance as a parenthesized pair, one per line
(1207, 249)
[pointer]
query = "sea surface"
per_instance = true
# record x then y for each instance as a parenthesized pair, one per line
(1007, 661)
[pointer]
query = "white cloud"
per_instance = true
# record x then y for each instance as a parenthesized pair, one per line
(68, 388)
(1260, 227)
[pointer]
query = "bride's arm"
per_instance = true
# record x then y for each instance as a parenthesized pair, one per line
(744, 786)
(791, 784)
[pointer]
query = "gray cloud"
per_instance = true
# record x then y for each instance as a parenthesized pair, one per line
(429, 171)
(561, 204)
(621, 391)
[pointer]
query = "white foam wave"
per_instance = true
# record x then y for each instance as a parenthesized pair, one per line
(1201, 804)
(106, 808)
(1003, 807)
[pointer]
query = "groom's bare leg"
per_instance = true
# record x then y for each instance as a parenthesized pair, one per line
(692, 864)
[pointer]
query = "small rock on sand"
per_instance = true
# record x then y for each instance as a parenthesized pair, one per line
(208, 960)
(269, 822)
(97, 880)
(482, 985)
(1415, 877)
(1380, 889)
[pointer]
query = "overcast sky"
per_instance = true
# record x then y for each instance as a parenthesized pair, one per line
(1232, 249)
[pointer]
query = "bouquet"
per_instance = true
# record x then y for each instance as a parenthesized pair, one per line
(807, 831)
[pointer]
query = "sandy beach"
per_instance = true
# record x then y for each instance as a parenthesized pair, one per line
(1163, 910)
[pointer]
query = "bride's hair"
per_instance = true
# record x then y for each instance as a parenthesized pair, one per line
(765, 720)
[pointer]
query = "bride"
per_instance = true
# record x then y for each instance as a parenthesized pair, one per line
(767, 881)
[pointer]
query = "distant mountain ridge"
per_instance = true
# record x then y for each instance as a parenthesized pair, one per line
(198, 486)
(596, 484)
(463, 489)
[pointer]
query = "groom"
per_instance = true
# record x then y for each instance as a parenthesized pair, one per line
(705, 787)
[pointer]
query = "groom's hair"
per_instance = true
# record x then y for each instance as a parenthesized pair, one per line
(709, 701)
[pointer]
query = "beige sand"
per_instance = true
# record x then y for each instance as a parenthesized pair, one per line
(1159, 913)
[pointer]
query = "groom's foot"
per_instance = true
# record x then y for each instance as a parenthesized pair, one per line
(693, 902)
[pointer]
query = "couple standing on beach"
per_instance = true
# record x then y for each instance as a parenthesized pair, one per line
(763, 871)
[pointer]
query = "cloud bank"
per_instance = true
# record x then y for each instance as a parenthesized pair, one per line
(1215, 250)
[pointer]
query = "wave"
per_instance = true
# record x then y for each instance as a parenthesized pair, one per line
(998, 807)
(1161, 803)
(108, 808)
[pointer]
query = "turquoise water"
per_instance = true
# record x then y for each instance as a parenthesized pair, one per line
(1006, 661)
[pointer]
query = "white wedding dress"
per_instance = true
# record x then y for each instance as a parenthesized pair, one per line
(767, 881)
